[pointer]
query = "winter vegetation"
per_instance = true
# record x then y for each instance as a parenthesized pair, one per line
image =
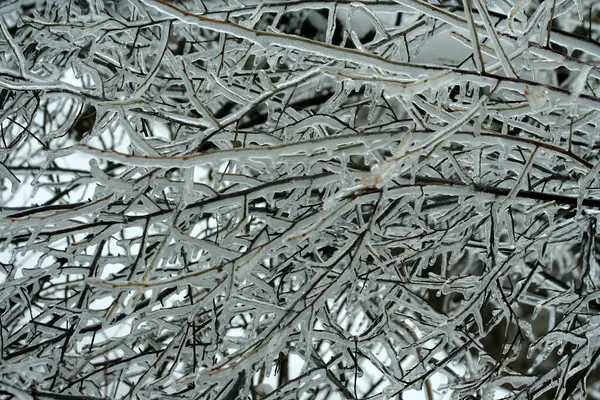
(303, 199)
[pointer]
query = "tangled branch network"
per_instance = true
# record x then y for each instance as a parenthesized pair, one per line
(305, 199)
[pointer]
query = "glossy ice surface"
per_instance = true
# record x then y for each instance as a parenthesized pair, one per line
(299, 199)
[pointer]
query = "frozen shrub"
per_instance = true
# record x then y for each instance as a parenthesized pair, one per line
(299, 199)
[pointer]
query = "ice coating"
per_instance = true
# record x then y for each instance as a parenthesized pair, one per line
(304, 199)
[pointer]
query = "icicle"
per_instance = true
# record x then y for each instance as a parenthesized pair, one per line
(479, 121)
(578, 84)
(579, 9)
(462, 92)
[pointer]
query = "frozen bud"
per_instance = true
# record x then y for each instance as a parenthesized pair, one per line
(537, 96)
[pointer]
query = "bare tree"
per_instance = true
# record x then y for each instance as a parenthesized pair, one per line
(305, 199)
